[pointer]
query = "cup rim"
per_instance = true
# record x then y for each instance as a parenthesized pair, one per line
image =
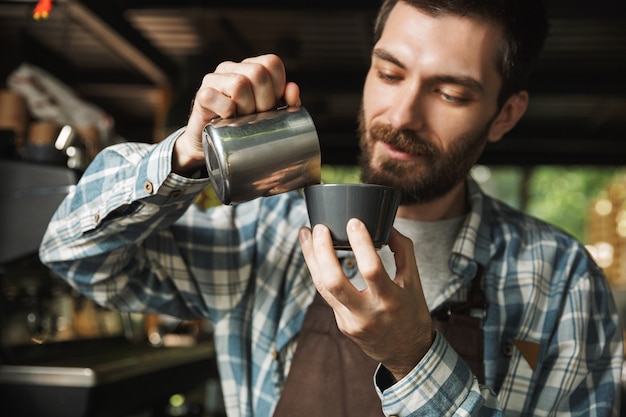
(351, 185)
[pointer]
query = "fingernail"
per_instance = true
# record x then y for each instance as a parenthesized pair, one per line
(317, 230)
(354, 224)
(304, 234)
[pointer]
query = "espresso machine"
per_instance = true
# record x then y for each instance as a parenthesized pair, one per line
(60, 353)
(29, 195)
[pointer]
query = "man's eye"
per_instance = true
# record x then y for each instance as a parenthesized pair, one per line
(386, 76)
(452, 99)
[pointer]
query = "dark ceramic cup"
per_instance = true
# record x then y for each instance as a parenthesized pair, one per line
(334, 204)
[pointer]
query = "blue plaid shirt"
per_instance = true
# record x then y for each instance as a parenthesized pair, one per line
(130, 237)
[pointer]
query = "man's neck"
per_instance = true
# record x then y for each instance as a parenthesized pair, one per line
(453, 204)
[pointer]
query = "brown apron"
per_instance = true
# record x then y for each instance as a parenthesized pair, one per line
(330, 376)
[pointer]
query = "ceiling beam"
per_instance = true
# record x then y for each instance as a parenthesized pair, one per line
(329, 5)
(555, 8)
(123, 40)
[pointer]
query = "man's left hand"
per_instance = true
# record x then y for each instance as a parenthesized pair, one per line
(389, 320)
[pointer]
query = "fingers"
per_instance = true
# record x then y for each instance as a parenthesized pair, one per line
(248, 88)
(235, 88)
(407, 274)
(326, 271)
(404, 256)
(367, 258)
(254, 85)
(292, 95)
(208, 104)
(238, 88)
(306, 243)
(270, 69)
(371, 267)
(330, 279)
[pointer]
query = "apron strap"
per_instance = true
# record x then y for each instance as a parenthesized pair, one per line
(461, 325)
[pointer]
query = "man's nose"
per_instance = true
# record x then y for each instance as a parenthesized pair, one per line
(407, 110)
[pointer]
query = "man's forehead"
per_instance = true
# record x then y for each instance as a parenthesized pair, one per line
(463, 45)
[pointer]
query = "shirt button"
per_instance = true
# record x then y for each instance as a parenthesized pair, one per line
(148, 187)
(175, 194)
(96, 218)
(507, 350)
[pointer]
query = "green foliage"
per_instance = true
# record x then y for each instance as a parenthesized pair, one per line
(339, 174)
(504, 183)
(561, 195)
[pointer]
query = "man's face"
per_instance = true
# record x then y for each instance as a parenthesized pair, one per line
(429, 99)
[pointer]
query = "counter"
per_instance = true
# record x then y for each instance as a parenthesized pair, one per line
(111, 377)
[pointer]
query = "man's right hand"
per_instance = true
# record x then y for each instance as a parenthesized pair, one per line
(234, 89)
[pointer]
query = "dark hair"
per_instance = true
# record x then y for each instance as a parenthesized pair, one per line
(524, 24)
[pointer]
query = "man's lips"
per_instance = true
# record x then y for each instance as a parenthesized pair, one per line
(396, 153)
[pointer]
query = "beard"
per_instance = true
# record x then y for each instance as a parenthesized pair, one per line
(420, 181)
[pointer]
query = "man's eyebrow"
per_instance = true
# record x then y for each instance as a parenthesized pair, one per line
(461, 80)
(386, 56)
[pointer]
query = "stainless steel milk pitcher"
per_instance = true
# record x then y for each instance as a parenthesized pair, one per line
(262, 154)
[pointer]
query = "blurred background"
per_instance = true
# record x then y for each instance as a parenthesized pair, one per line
(76, 76)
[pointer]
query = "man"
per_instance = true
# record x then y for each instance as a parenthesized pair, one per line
(543, 337)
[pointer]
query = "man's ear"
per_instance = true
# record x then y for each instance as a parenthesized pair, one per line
(509, 115)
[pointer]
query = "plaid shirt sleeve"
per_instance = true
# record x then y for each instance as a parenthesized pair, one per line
(94, 239)
(130, 237)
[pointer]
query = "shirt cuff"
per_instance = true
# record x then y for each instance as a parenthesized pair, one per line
(440, 382)
(156, 179)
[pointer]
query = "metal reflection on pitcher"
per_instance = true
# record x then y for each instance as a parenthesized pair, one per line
(262, 154)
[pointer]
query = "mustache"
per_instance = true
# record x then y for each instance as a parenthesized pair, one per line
(404, 140)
